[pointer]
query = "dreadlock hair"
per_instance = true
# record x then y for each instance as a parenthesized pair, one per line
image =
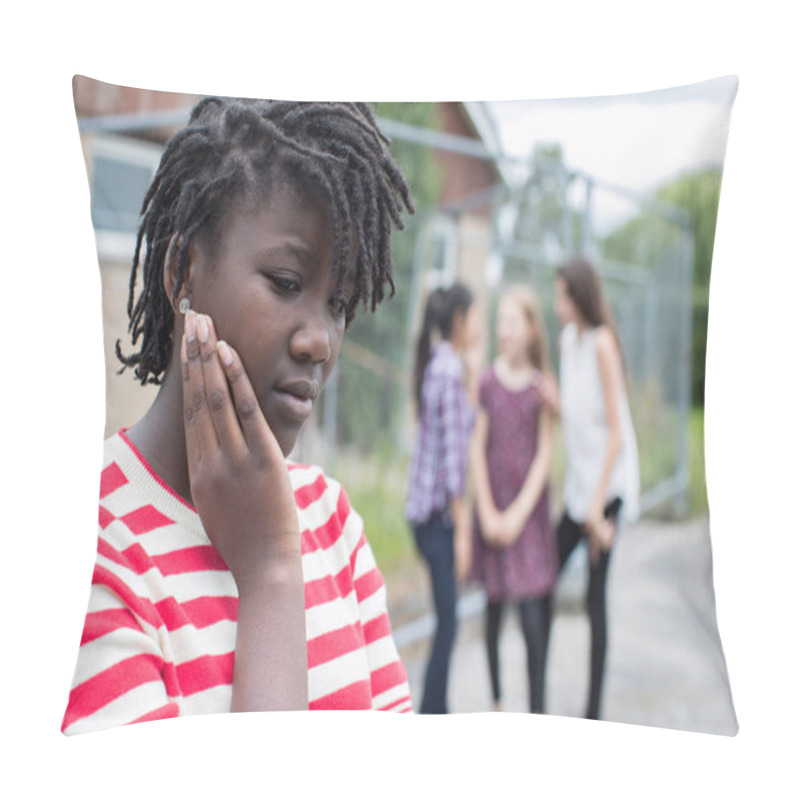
(440, 311)
(236, 148)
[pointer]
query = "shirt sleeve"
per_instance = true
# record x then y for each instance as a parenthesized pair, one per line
(455, 432)
(121, 676)
(388, 679)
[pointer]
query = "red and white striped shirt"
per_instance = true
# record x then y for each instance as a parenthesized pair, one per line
(160, 631)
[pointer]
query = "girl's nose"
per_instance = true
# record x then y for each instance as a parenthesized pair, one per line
(311, 340)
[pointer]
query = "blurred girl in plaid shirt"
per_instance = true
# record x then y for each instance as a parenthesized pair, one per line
(436, 509)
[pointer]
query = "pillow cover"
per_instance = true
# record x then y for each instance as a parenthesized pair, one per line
(505, 192)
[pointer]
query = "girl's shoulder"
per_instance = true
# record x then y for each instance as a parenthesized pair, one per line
(330, 526)
(488, 376)
(486, 383)
(309, 482)
(316, 493)
(605, 342)
(568, 336)
(443, 355)
(444, 363)
(600, 339)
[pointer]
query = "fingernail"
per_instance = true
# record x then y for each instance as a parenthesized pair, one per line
(183, 348)
(191, 327)
(225, 353)
(202, 328)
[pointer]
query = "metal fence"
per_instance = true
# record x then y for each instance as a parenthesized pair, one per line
(650, 293)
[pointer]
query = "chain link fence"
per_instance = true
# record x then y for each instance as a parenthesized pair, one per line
(645, 258)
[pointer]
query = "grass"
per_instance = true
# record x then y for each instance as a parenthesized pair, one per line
(698, 495)
(377, 487)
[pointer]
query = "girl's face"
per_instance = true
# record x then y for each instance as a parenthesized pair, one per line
(514, 332)
(271, 295)
(467, 329)
(565, 307)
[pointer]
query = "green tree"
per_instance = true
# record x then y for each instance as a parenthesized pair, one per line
(648, 237)
(699, 195)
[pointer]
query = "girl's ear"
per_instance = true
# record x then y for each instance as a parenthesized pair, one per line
(170, 275)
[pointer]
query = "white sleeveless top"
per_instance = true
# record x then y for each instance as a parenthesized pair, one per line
(583, 415)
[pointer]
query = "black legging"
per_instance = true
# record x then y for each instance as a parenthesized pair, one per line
(569, 534)
(534, 615)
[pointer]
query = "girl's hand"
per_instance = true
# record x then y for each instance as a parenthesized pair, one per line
(238, 476)
(548, 388)
(462, 546)
(492, 527)
(501, 528)
(512, 526)
(600, 532)
(240, 486)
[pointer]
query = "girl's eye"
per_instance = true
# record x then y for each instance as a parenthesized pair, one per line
(339, 304)
(284, 284)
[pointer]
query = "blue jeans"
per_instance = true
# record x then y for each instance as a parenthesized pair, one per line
(435, 542)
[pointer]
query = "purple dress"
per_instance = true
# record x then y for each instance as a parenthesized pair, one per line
(529, 567)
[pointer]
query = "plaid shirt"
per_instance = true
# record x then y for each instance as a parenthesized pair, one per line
(439, 462)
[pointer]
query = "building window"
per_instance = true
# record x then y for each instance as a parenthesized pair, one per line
(121, 170)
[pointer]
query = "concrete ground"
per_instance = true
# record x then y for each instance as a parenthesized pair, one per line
(665, 664)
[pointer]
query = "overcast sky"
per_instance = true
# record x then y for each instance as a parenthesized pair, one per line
(634, 141)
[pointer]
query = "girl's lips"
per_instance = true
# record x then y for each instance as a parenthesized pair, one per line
(296, 398)
(292, 405)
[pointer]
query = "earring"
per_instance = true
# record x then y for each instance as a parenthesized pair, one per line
(184, 305)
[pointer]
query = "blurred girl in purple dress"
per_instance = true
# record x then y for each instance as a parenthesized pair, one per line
(514, 547)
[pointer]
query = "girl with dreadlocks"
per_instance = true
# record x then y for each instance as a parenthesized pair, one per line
(228, 578)
(436, 503)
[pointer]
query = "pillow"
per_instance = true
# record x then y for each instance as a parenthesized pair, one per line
(505, 192)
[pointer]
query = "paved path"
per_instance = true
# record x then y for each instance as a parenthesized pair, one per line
(665, 664)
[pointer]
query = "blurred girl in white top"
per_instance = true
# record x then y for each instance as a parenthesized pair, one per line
(602, 473)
